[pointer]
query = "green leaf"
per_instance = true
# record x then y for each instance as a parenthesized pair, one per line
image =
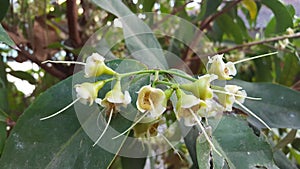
(191, 142)
(61, 142)
(228, 26)
(286, 140)
(263, 69)
(291, 67)
(279, 107)
(241, 147)
(203, 152)
(148, 5)
(282, 15)
(129, 163)
(3, 8)
(139, 38)
(296, 144)
(2, 135)
(24, 76)
(5, 38)
(209, 7)
(282, 161)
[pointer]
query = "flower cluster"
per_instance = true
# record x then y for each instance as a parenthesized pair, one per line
(195, 100)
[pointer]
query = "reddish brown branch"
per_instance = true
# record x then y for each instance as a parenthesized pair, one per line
(204, 24)
(52, 70)
(247, 45)
(72, 15)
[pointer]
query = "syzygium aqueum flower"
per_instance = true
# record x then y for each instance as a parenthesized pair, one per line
(201, 87)
(210, 109)
(186, 105)
(88, 92)
(146, 128)
(115, 98)
(152, 100)
(95, 66)
(227, 100)
(224, 71)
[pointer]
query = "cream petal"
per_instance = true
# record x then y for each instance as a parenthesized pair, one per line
(231, 69)
(189, 101)
(127, 98)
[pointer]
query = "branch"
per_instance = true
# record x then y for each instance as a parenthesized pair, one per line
(52, 70)
(204, 24)
(72, 15)
(247, 45)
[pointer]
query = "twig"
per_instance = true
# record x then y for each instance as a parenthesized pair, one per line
(72, 15)
(247, 45)
(204, 24)
(52, 70)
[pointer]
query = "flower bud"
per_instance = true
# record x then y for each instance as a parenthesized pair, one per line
(115, 98)
(88, 92)
(95, 66)
(201, 87)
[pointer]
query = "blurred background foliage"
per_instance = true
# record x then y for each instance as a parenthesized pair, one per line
(57, 30)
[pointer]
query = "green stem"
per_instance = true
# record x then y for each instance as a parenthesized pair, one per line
(164, 83)
(159, 72)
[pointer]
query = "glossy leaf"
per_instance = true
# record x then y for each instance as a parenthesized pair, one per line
(228, 26)
(4, 107)
(279, 107)
(129, 163)
(139, 38)
(24, 76)
(203, 152)
(291, 67)
(3, 8)
(60, 142)
(5, 38)
(282, 15)
(241, 147)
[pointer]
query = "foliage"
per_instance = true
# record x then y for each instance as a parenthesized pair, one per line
(35, 31)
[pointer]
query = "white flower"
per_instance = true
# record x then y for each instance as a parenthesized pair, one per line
(224, 71)
(236, 94)
(186, 105)
(210, 109)
(201, 87)
(146, 129)
(88, 92)
(152, 100)
(115, 98)
(95, 66)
